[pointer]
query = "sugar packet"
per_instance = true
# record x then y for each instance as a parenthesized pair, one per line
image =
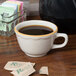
(14, 65)
(25, 70)
(44, 70)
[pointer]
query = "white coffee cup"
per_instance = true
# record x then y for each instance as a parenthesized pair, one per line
(39, 45)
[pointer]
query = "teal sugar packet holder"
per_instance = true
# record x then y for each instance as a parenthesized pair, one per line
(8, 19)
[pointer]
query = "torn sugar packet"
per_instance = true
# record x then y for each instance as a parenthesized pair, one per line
(14, 65)
(44, 70)
(25, 70)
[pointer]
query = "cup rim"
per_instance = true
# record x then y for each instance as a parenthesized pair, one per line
(16, 31)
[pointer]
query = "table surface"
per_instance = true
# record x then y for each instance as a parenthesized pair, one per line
(61, 62)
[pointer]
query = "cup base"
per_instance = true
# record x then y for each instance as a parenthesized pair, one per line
(33, 55)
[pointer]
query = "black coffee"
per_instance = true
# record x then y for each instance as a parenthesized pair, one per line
(35, 30)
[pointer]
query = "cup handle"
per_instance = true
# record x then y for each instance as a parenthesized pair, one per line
(65, 36)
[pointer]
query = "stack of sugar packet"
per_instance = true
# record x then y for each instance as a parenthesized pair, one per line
(6, 12)
(20, 68)
(7, 9)
(17, 4)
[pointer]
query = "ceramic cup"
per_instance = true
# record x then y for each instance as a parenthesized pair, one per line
(39, 45)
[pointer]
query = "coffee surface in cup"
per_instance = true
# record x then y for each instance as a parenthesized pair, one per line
(35, 30)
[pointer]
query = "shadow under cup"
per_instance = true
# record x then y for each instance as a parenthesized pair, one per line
(38, 45)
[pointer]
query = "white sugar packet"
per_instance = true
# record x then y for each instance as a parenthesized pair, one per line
(14, 65)
(25, 70)
(44, 70)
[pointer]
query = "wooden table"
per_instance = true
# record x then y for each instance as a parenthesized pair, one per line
(61, 62)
